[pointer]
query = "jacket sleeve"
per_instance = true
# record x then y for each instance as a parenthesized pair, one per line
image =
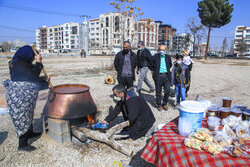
(149, 57)
(173, 77)
(152, 63)
(116, 62)
(114, 113)
(170, 62)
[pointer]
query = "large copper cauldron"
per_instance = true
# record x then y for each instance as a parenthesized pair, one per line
(69, 101)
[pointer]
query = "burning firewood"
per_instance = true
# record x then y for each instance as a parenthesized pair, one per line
(108, 137)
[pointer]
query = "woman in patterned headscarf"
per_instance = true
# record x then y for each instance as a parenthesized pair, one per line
(22, 93)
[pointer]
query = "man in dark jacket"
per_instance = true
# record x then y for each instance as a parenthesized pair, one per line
(135, 109)
(161, 64)
(125, 64)
(143, 60)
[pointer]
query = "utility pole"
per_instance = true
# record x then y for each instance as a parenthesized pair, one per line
(85, 32)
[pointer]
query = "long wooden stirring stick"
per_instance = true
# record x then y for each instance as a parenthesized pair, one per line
(44, 71)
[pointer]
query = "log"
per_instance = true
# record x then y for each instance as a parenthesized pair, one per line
(106, 137)
(79, 135)
(116, 129)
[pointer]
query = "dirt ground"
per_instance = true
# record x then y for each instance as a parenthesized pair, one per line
(211, 79)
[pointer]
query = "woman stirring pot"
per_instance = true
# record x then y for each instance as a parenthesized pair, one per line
(22, 93)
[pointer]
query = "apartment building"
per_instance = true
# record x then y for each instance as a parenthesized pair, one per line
(166, 34)
(107, 33)
(242, 41)
(182, 42)
(149, 34)
(65, 38)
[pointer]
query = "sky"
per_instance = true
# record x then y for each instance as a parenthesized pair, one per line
(174, 12)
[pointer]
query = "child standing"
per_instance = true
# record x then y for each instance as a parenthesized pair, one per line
(179, 78)
(189, 63)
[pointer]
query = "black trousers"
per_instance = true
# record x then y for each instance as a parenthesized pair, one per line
(162, 82)
(127, 82)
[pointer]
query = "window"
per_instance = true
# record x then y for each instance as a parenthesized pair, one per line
(238, 35)
(92, 29)
(67, 46)
(92, 34)
(74, 30)
(97, 28)
(247, 36)
(97, 33)
(247, 31)
(73, 37)
(128, 23)
(72, 41)
(92, 23)
(116, 24)
(107, 21)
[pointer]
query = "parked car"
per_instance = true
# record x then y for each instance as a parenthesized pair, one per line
(230, 57)
(247, 57)
(212, 55)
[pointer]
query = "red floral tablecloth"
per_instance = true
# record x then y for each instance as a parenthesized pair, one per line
(166, 148)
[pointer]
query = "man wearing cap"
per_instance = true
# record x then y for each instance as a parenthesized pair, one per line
(188, 62)
(143, 61)
(161, 64)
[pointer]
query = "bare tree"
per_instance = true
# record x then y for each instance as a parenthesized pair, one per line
(6, 46)
(127, 9)
(224, 46)
(193, 27)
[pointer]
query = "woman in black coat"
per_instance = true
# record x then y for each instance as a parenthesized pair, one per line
(22, 93)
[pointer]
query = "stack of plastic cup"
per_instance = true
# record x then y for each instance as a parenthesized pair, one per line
(184, 126)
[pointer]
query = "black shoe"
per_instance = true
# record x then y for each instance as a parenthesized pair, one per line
(27, 148)
(34, 135)
(23, 143)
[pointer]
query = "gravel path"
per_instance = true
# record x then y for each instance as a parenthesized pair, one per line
(210, 79)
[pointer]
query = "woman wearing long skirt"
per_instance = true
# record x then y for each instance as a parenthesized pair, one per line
(22, 93)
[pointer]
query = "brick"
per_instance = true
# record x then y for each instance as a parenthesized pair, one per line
(58, 126)
(60, 138)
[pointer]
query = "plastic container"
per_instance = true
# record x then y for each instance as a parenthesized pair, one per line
(246, 115)
(213, 125)
(236, 111)
(226, 102)
(241, 107)
(184, 126)
(224, 112)
(211, 111)
(213, 119)
(194, 111)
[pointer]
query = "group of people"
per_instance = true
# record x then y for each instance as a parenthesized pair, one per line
(127, 62)
(25, 82)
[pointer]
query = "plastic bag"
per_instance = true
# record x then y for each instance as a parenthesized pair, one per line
(193, 143)
(211, 147)
(242, 131)
(235, 151)
(231, 120)
(228, 131)
(203, 134)
(222, 139)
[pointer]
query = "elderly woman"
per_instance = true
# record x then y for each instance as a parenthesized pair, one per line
(22, 93)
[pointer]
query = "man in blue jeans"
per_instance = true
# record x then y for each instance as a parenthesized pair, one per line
(179, 78)
(161, 64)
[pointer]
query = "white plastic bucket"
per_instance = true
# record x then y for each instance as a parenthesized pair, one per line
(194, 111)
